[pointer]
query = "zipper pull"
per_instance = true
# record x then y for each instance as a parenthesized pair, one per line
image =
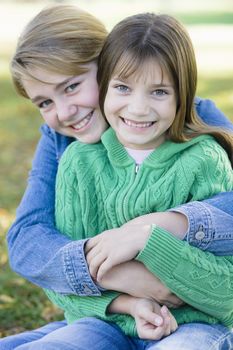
(136, 168)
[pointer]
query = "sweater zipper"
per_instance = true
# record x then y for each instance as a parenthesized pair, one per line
(137, 166)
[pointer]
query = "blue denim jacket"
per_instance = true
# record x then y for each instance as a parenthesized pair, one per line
(41, 254)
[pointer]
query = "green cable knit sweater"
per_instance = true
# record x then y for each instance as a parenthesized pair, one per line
(98, 189)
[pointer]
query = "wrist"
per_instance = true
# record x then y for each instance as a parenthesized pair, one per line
(146, 232)
(132, 305)
(123, 304)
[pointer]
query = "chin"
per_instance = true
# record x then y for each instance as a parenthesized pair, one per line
(91, 139)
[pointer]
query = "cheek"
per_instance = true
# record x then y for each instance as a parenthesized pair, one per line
(92, 94)
(112, 103)
(106, 105)
(171, 111)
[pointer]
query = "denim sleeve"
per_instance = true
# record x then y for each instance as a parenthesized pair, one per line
(210, 224)
(37, 251)
(211, 115)
(211, 221)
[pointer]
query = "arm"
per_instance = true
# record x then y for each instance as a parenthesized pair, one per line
(199, 278)
(37, 250)
(151, 320)
(172, 265)
(135, 279)
(211, 115)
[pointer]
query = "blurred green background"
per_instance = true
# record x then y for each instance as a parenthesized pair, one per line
(210, 24)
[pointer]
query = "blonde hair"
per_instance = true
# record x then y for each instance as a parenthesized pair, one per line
(148, 36)
(60, 39)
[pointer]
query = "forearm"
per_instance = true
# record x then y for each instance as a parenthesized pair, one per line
(37, 250)
(174, 222)
(200, 279)
(134, 279)
(123, 304)
(207, 225)
(76, 307)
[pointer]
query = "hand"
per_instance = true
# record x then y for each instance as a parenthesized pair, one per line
(114, 247)
(153, 322)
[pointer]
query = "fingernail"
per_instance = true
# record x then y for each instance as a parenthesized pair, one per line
(165, 309)
(158, 320)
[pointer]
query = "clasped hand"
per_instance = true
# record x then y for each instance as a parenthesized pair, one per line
(153, 322)
(115, 246)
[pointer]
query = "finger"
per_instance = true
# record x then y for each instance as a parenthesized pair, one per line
(174, 324)
(104, 267)
(164, 311)
(92, 253)
(158, 333)
(148, 334)
(167, 320)
(173, 301)
(151, 317)
(95, 264)
(91, 243)
(93, 256)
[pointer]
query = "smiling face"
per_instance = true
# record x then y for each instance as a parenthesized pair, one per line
(141, 107)
(68, 104)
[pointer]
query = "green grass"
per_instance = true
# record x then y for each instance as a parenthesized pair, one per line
(18, 137)
(197, 18)
(22, 305)
(219, 90)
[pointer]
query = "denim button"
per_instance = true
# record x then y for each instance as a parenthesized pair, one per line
(199, 235)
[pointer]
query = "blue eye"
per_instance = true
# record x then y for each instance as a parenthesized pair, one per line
(159, 92)
(71, 87)
(122, 88)
(44, 104)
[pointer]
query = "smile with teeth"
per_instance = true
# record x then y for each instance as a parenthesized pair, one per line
(137, 124)
(83, 122)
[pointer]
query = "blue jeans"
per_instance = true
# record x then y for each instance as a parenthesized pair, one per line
(91, 333)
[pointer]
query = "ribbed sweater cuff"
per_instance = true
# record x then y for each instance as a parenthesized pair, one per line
(161, 253)
(97, 305)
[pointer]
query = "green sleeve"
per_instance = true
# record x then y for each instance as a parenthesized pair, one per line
(89, 306)
(76, 307)
(200, 279)
(211, 168)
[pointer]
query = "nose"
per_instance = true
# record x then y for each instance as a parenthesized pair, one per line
(66, 111)
(138, 105)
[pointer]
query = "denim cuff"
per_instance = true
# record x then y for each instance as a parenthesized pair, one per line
(76, 270)
(200, 221)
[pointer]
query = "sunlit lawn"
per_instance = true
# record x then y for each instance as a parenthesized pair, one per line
(22, 305)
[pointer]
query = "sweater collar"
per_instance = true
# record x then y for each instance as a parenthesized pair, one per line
(116, 152)
(119, 156)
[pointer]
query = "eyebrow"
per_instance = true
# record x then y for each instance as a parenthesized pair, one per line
(162, 85)
(154, 85)
(57, 87)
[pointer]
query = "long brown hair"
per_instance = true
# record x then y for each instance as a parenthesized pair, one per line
(148, 36)
(60, 39)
